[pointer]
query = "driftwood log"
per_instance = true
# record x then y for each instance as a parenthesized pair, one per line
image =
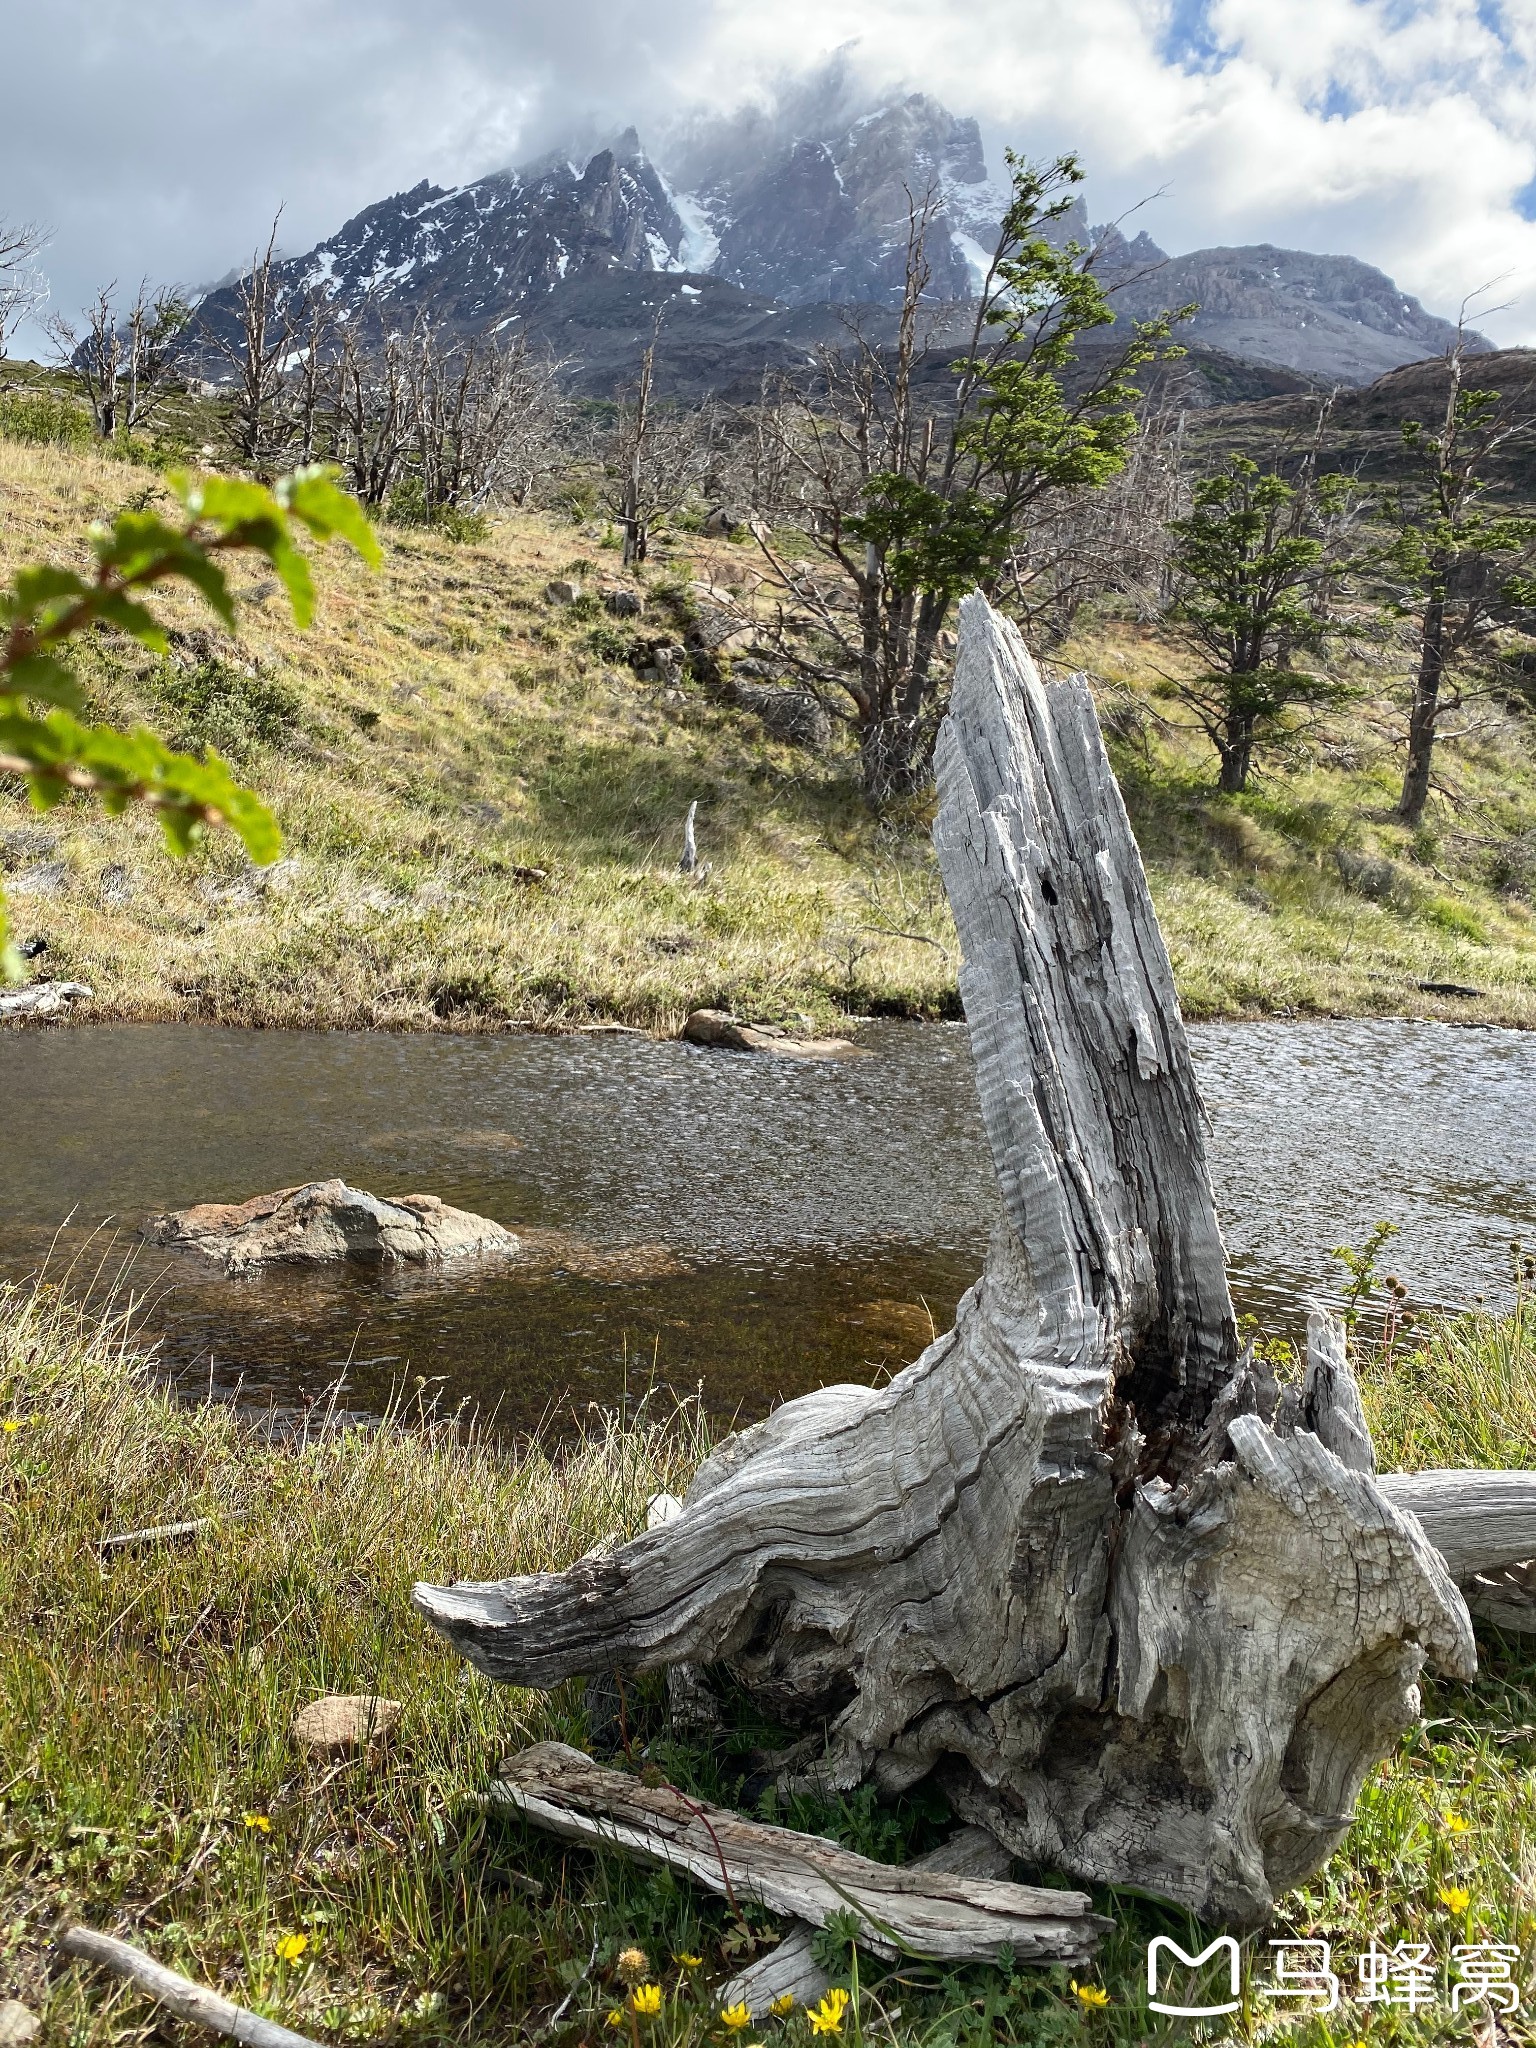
(1149, 1617)
(901, 1910)
(189, 2001)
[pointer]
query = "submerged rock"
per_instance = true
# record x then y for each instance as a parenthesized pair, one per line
(718, 1028)
(326, 1219)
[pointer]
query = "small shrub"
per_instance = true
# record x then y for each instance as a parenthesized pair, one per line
(212, 703)
(1455, 918)
(45, 418)
(408, 507)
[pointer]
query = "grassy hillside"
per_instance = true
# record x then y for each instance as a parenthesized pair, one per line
(483, 805)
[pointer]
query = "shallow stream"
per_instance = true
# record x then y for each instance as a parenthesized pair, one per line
(756, 1224)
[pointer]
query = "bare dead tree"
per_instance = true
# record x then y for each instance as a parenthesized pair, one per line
(654, 457)
(126, 364)
(368, 410)
(485, 412)
(23, 288)
(257, 352)
(1143, 1614)
(311, 365)
(92, 352)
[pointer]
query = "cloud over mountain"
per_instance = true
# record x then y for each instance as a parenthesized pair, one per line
(1402, 131)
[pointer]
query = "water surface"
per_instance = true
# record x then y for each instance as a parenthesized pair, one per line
(758, 1225)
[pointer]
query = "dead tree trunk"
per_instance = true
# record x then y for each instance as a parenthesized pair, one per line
(1149, 1618)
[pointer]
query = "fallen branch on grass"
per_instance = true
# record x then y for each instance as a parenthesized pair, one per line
(903, 1910)
(187, 2000)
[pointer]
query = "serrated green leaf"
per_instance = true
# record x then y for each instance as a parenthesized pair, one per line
(230, 501)
(206, 576)
(314, 498)
(12, 967)
(114, 609)
(41, 584)
(294, 573)
(45, 680)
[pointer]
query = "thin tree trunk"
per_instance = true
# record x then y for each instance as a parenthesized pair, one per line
(1423, 716)
(1236, 754)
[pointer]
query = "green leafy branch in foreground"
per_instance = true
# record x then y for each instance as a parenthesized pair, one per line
(46, 607)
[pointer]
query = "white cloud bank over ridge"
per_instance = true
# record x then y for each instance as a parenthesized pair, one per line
(160, 141)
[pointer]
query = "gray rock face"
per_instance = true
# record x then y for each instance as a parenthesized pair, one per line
(1331, 317)
(326, 1220)
(764, 225)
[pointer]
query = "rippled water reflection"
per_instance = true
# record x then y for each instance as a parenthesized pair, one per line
(760, 1225)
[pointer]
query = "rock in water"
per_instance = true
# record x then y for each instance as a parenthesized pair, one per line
(342, 1722)
(718, 1028)
(328, 1220)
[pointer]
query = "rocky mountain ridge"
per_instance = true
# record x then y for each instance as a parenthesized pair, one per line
(755, 233)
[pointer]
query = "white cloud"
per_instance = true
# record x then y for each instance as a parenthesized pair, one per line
(159, 141)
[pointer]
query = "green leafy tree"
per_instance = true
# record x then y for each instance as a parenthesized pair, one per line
(43, 736)
(914, 493)
(1260, 565)
(1458, 561)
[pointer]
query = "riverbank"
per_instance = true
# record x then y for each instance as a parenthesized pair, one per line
(483, 790)
(153, 1788)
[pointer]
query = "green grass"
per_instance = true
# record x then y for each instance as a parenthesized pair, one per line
(146, 1702)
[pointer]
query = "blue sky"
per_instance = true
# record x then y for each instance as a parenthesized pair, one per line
(1402, 131)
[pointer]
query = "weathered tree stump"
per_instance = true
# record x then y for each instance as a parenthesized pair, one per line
(1149, 1617)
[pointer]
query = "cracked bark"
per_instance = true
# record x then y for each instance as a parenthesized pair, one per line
(1148, 1617)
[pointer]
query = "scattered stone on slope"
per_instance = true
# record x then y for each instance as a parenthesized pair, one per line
(343, 1722)
(18, 2024)
(562, 590)
(622, 603)
(49, 878)
(719, 1029)
(27, 842)
(44, 998)
(326, 1219)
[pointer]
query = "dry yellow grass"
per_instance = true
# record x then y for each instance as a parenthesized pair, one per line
(443, 727)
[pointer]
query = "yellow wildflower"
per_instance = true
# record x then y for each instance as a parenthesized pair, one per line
(633, 1964)
(736, 2017)
(1455, 1822)
(291, 1946)
(781, 2008)
(615, 2018)
(688, 1962)
(827, 2018)
(1454, 1897)
(1091, 1994)
(12, 1424)
(646, 1999)
(258, 1821)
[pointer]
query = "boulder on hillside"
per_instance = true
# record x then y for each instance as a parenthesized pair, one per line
(562, 590)
(720, 1029)
(326, 1219)
(44, 998)
(621, 603)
